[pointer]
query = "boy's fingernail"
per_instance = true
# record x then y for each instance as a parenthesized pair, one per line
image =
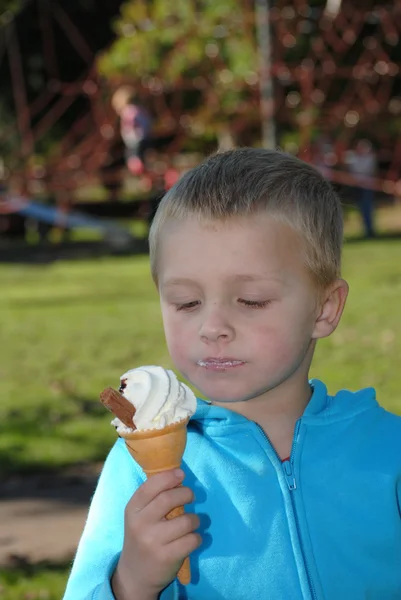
(179, 473)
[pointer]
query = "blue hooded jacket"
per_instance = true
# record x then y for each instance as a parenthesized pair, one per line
(323, 525)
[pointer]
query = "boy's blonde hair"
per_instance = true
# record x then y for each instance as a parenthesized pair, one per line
(243, 182)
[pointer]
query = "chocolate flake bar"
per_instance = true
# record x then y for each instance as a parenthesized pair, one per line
(119, 406)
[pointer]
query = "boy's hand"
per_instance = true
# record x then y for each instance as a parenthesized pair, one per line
(154, 548)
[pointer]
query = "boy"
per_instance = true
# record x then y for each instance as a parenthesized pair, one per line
(296, 494)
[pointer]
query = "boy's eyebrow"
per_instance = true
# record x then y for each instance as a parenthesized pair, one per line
(248, 277)
(238, 277)
(178, 281)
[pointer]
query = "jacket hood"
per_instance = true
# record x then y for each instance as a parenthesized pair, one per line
(321, 407)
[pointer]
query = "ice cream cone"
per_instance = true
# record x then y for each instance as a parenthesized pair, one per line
(158, 450)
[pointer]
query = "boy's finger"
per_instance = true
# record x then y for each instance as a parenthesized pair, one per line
(178, 527)
(179, 549)
(156, 484)
(165, 502)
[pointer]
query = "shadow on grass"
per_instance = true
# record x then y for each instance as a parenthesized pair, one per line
(23, 475)
(47, 253)
(23, 580)
(380, 237)
(74, 485)
(44, 417)
(83, 299)
(21, 566)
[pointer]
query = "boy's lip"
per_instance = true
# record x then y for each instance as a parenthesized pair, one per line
(219, 363)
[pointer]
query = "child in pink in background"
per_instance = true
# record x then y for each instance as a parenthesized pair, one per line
(135, 128)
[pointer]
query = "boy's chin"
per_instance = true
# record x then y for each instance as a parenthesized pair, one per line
(221, 390)
(225, 397)
(232, 395)
(231, 400)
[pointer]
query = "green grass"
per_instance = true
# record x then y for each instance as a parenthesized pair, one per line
(67, 332)
(365, 349)
(39, 582)
(69, 329)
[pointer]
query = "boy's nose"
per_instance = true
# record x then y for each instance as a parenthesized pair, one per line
(216, 326)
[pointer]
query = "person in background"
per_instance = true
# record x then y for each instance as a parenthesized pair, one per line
(135, 128)
(362, 165)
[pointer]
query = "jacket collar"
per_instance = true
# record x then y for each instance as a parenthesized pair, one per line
(321, 406)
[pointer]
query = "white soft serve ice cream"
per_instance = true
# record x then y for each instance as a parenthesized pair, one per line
(158, 397)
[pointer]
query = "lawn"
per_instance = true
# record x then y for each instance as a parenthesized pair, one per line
(70, 329)
(34, 582)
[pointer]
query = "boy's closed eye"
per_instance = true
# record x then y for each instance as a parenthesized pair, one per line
(187, 306)
(254, 303)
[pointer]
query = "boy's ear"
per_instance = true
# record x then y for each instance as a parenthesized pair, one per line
(331, 309)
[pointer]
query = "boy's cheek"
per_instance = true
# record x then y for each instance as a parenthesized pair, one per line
(276, 345)
(171, 330)
(177, 346)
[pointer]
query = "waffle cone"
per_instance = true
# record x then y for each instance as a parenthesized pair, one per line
(158, 450)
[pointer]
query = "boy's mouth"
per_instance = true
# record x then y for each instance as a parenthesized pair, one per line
(220, 364)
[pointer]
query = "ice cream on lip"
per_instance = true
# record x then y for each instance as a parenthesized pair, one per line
(220, 363)
(159, 398)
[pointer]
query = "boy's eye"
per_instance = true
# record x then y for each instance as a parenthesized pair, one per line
(187, 305)
(253, 303)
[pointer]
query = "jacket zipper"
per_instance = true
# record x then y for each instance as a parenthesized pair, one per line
(289, 474)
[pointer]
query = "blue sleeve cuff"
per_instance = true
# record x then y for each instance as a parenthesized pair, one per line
(104, 591)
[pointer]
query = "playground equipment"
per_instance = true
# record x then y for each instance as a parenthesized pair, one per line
(118, 237)
(335, 69)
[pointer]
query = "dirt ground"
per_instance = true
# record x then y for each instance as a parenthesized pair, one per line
(42, 516)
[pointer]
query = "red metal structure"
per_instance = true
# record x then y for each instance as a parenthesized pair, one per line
(336, 71)
(347, 80)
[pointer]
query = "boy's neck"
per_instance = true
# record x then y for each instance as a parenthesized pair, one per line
(277, 412)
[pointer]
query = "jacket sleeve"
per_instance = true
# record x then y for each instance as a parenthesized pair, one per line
(102, 539)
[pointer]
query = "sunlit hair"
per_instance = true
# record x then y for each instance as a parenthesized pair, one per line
(247, 181)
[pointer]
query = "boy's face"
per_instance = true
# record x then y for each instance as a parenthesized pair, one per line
(239, 307)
